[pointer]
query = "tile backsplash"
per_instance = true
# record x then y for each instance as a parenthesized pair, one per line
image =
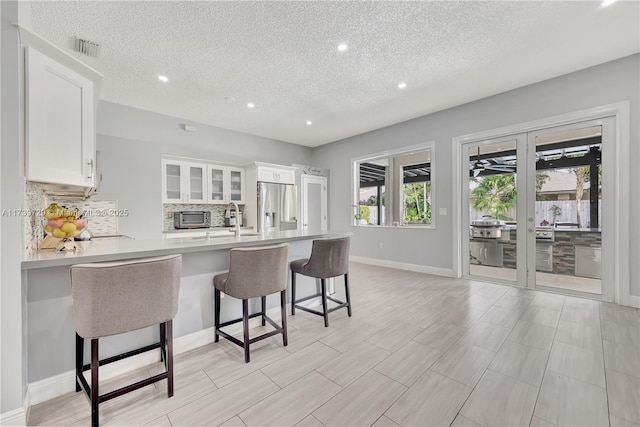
(217, 213)
(99, 214)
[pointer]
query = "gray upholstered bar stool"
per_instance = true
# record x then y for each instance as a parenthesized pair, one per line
(112, 298)
(329, 258)
(253, 272)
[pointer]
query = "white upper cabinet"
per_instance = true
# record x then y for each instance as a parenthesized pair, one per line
(60, 123)
(201, 183)
(226, 183)
(184, 182)
(275, 173)
(61, 98)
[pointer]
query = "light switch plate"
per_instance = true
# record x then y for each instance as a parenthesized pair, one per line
(443, 211)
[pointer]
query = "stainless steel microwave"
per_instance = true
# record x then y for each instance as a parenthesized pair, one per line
(192, 219)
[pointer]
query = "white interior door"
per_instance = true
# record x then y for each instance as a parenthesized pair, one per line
(314, 202)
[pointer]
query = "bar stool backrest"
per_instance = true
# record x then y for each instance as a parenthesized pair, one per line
(116, 297)
(329, 258)
(255, 272)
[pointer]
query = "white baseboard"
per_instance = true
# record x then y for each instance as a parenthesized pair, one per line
(49, 388)
(446, 272)
(17, 417)
(634, 301)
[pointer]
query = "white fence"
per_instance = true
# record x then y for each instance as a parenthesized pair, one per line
(568, 212)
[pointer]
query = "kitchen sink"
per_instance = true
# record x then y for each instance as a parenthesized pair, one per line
(227, 235)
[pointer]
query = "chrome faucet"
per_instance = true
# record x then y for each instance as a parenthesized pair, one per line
(236, 228)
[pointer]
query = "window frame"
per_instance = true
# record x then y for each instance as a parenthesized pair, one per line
(392, 184)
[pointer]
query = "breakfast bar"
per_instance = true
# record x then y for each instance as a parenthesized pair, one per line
(49, 327)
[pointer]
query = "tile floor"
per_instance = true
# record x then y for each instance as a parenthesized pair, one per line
(420, 350)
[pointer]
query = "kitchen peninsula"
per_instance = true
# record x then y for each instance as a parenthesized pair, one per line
(49, 321)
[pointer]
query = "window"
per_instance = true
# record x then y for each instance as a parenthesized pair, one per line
(394, 188)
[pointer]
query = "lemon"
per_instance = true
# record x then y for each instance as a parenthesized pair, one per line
(68, 227)
(59, 233)
(47, 228)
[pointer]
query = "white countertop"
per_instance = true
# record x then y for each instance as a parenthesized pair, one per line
(118, 249)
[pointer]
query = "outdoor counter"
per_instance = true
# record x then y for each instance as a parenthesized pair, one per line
(49, 329)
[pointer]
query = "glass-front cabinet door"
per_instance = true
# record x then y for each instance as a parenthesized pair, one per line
(226, 184)
(236, 185)
(172, 186)
(216, 185)
(197, 183)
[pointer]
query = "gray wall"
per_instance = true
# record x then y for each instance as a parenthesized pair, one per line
(131, 142)
(604, 84)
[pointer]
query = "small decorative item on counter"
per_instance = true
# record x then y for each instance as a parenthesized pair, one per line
(62, 222)
(66, 245)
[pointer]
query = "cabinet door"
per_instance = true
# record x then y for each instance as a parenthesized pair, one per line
(281, 176)
(60, 123)
(236, 185)
(216, 193)
(196, 182)
(172, 182)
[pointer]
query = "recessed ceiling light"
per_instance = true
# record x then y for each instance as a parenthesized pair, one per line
(163, 78)
(250, 105)
(402, 85)
(342, 47)
(309, 122)
(606, 3)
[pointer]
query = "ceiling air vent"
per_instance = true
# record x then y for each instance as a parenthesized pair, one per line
(87, 47)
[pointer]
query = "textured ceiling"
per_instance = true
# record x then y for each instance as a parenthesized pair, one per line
(282, 56)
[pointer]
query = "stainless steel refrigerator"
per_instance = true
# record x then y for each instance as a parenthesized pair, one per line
(277, 207)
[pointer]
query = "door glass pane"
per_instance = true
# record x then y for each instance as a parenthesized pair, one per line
(217, 185)
(196, 181)
(568, 210)
(314, 206)
(236, 185)
(492, 210)
(172, 175)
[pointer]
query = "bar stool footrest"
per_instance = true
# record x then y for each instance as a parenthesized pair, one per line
(278, 330)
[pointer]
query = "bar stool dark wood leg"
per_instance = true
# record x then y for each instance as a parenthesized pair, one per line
(95, 396)
(264, 309)
(293, 293)
(169, 361)
(217, 314)
(163, 347)
(324, 302)
(245, 327)
(283, 312)
(346, 291)
(79, 359)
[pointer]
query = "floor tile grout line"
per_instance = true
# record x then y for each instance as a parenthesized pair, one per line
(604, 365)
(555, 332)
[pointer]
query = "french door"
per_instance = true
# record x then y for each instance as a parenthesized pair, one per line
(551, 190)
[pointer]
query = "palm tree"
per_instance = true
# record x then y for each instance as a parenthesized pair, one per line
(495, 194)
(582, 176)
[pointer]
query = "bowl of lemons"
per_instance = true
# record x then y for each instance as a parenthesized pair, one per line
(62, 222)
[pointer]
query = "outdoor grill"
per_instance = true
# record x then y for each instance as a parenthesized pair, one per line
(545, 233)
(487, 228)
